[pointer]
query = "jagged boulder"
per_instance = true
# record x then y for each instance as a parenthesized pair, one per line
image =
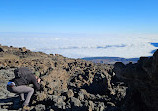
(142, 81)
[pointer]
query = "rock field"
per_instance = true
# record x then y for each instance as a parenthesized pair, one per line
(75, 84)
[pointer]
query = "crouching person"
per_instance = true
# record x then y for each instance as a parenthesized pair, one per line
(19, 85)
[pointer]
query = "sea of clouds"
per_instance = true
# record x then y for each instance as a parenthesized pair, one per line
(84, 46)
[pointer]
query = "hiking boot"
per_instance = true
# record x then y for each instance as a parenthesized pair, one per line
(25, 108)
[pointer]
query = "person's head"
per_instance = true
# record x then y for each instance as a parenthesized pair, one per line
(37, 74)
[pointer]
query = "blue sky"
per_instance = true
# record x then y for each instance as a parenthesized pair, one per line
(79, 16)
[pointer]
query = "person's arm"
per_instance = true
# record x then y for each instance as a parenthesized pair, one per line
(35, 82)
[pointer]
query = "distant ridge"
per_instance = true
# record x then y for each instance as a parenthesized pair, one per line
(110, 60)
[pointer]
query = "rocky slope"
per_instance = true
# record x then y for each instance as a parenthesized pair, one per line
(75, 84)
(67, 84)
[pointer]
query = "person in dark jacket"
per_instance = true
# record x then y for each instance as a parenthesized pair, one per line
(20, 86)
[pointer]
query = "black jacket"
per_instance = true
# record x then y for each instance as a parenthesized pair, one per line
(30, 79)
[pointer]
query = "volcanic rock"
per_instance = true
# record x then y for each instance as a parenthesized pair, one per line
(141, 77)
(66, 84)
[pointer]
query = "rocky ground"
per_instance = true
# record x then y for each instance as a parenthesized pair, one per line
(75, 84)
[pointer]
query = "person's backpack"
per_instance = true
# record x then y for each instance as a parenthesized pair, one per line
(22, 73)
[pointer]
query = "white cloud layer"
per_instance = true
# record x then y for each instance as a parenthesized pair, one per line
(79, 47)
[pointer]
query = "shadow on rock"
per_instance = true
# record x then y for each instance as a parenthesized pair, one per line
(12, 103)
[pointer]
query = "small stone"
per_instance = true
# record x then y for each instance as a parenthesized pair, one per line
(75, 102)
(40, 107)
(81, 96)
(91, 106)
(70, 93)
(101, 106)
(110, 103)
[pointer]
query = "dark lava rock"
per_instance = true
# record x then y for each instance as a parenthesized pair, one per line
(141, 77)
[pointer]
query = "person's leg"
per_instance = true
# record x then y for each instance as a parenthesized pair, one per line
(22, 96)
(28, 97)
(24, 89)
